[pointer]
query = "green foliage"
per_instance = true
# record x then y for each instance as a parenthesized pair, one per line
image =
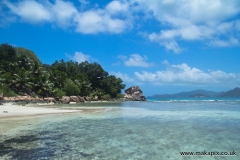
(119, 95)
(58, 78)
(44, 85)
(71, 89)
(25, 52)
(6, 78)
(106, 96)
(112, 85)
(22, 80)
(94, 72)
(22, 71)
(58, 93)
(7, 53)
(97, 92)
(7, 92)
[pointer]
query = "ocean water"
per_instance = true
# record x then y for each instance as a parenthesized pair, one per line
(149, 130)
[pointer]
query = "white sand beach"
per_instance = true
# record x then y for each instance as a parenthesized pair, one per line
(14, 117)
(11, 110)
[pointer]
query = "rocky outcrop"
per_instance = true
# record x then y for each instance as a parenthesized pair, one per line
(27, 99)
(134, 93)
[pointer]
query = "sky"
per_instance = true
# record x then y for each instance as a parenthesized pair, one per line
(162, 46)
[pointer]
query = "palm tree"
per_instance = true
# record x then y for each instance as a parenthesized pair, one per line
(24, 62)
(84, 86)
(21, 80)
(58, 78)
(44, 85)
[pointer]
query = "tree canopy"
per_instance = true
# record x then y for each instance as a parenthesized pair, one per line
(22, 72)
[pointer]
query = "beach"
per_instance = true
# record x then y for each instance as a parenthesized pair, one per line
(14, 117)
(11, 110)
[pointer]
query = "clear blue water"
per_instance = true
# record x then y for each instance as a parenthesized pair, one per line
(132, 130)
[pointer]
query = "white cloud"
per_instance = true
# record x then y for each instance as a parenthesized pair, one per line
(212, 22)
(114, 18)
(63, 12)
(182, 74)
(194, 11)
(95, 21)
(192, 20)
(224, 43)
(79, 57)
(135, 60)
(31, 11)
(172, 45)
(123, 76)
(116, 7)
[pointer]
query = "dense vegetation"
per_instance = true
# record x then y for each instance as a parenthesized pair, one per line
(21, 72)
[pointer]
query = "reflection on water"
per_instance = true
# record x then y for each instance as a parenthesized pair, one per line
(137, 130)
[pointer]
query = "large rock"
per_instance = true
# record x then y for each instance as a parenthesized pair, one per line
(65, 99)
(134, 93)
(81, 99)
(74, 99)
(87, 98)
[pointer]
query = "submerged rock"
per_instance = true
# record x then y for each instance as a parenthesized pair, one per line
(134, 93)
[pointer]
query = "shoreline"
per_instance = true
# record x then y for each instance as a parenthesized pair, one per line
(14, 118)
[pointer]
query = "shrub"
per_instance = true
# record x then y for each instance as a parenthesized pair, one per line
(71, 89)
(58, 93)
(106, 96)
(119, 95)
(7, 92)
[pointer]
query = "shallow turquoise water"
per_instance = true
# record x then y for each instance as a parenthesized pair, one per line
(135, 130)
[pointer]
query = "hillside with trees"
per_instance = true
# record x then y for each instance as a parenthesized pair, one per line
(21, 72)
(232, 93)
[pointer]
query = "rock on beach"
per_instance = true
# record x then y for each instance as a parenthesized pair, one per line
(134, 93)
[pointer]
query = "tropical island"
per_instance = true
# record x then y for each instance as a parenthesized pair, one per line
(200, 94)
(23, 74)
